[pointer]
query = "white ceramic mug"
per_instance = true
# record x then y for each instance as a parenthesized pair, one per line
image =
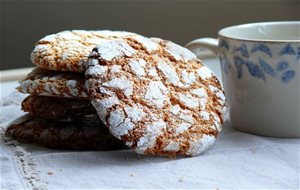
(260, 65)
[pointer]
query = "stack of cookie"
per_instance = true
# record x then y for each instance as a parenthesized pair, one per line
(60, 114)
(153, 95)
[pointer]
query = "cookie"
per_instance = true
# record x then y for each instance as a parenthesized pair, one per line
(53, 83)
(62, 135)
(61, 109)
(163, 102)
(68, 50)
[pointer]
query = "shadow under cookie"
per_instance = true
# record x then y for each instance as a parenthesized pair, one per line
(62, 135)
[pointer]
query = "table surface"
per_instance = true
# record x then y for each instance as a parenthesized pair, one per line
(236, 160)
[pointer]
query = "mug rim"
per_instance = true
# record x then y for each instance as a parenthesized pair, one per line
(222, 31)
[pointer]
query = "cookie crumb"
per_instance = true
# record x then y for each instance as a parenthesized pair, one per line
(181, 179)
(252, 150)
(131, 175)
(50, 173)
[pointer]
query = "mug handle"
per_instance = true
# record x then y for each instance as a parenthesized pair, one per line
(197, 46)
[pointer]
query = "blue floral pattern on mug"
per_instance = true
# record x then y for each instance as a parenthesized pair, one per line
(288, 49)
(225, 64)
(287, 76)
(264, 66)
(224, 44)
(239, 62)
(243, 49)
(261, 48)
(255, 70)
(282, 65)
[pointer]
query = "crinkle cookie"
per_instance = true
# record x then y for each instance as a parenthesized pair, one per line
(61, 109)
(68, 50)
(62, 135)
(53, 83)
(159, 102)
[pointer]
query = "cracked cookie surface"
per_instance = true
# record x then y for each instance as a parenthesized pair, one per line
(54, 83)
(68, 50)
(156, 96)
(62, 135)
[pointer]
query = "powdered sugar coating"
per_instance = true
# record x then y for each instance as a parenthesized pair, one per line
(120, 83)
(204, 115)
(188, 100)
(153, 130)
(172, 146)
(114, 49)
(115, 69)
(163, 102)
(103, 105)
(146, 42)
(69, 50)
(200, 145)
(52, 83)
(138, 67)
(122, 129)
(204, 73)
(179, 53)
(169, 72)
(152, 72)
(200, 92)
(182, 127)
(97, 69)
(188, 78)
(156, 94)
(135, 113)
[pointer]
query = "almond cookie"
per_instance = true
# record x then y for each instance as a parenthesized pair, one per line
(61, 109)
(54, 83)
(68, 50)
(163, 102)
(62, 135)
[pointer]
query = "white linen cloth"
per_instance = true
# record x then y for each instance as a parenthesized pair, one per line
(236, 160)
